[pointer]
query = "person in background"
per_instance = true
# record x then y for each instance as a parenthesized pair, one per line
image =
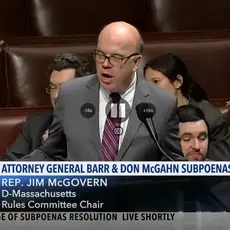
(170, 73)
(193, 132)
(64, 67)
(213, 191)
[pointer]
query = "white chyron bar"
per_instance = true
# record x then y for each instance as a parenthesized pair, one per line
(87, 220)
(115, 168)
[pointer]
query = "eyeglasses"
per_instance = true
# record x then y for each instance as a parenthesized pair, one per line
(50, 88)
(115, 60)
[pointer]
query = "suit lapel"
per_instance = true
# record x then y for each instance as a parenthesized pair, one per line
(93, 123)
(141, 94)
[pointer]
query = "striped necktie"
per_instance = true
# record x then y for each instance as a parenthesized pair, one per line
(110, 140)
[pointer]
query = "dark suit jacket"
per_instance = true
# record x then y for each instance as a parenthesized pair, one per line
(219, 132)
(82, 134)
(30, 137)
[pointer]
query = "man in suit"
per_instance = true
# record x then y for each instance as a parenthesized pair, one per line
(64, 67)
(82, 117)
(193, 132)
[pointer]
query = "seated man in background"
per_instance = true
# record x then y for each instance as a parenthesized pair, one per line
(65, 67)
(213, 192)
(193, 132)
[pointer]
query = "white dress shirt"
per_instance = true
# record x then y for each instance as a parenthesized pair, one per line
(104, 100)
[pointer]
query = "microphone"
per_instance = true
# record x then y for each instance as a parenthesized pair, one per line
(145, 113)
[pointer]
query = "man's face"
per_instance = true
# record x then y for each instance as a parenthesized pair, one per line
(56, 79)
(194, 140)
(117, 74)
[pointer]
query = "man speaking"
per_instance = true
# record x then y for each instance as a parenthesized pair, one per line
(86, 125)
